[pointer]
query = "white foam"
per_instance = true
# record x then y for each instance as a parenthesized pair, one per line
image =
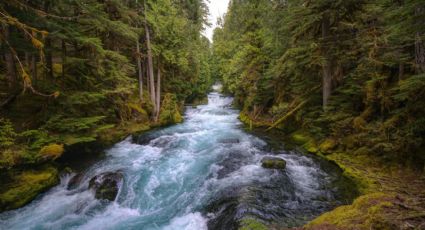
(191, 221)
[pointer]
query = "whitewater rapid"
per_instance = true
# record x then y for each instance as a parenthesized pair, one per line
(202, 174)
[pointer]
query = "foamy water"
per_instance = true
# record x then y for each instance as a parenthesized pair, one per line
(187, 177)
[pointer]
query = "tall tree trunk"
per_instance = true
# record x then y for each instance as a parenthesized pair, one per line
(419, 44)
(34, 68)
(148, 82)
(150, 66)
(63, 59)
(49, 61)
(27, 59)
(400, 71)
(48, 48)
(10, 62)
(139, 68)
(327, 66)
(158, 92)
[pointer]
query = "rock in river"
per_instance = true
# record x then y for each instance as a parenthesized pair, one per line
(273, 163)
(229, 141)
(106, 185)
(75, 181)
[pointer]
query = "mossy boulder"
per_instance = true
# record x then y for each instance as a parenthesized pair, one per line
(252, 224)
(106, 185)
(75, 181)
(170, 112)
(366, 212)
(24, 186)
(273, 163)
(52, 151)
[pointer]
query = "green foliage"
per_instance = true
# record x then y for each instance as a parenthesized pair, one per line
(7, 133)
(86, 51)
(170, 112)
(273, 54)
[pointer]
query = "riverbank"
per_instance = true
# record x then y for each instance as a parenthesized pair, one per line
(21, 185)
(391, 195)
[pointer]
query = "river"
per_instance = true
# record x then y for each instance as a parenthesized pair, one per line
(202, 174)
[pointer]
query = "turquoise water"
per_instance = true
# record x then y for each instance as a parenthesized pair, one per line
(202, 174)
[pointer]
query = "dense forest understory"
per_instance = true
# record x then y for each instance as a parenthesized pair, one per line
(78, 76)
(343, 79)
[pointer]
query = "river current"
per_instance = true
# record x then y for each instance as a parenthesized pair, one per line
(202, 174)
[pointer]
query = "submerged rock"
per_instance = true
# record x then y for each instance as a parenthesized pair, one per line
(146, 138)
(106, 185)
(75, 181)
(229, 141)
(273, 163)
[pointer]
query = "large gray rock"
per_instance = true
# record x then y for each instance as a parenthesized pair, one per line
(273, 163)
(106, 185)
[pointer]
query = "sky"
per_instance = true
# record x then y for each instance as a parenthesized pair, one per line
(217, 9)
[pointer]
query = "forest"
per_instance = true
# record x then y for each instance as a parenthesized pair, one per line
(341, 80)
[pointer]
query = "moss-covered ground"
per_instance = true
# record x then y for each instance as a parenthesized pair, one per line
(24, 185)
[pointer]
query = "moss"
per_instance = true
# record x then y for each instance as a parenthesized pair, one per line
(273, 163)
(52, 151)
(366, 212)
(244, 118)
(170, 113)
(365, 184)
(327, 145)
(25, 186)
(115, 134)
(311, 147)
(252, 224)
(138, 109)
(306, 141)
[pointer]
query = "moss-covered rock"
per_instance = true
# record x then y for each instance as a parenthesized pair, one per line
(25, 185)
(366, 212)
(106, 185)
(273, 163)
(52, 151)
(252, 224)
(170, 112)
